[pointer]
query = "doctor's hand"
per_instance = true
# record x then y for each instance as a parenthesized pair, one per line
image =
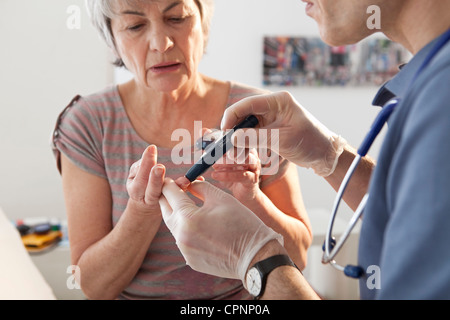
(220, 238)
(301, 138)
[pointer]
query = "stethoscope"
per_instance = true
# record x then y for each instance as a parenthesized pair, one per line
(331, 247)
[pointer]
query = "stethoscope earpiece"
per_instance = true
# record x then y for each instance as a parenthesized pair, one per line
(331, 244)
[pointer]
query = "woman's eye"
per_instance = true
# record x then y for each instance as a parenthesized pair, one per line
(135, 27)
(177, 19)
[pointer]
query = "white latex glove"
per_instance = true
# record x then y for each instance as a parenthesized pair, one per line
(302, 138)
(220, 238)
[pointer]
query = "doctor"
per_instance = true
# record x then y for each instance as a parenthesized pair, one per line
(406, 223)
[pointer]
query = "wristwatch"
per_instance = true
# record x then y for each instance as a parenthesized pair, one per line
(257, 275)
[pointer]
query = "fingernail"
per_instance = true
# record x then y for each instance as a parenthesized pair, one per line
(150, 148)
(183, 182)
(159, 171)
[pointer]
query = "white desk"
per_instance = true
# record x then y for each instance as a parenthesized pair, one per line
(53, 265)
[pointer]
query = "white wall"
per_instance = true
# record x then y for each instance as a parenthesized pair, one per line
(43, 64)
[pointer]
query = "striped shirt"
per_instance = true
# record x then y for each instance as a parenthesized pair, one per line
(95, 133)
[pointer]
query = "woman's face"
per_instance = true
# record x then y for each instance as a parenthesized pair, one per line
(341, 22)
(160, 41)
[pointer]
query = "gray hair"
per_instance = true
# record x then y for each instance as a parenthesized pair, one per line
(101, 12)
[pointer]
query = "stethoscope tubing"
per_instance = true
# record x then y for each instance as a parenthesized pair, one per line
(330, 251)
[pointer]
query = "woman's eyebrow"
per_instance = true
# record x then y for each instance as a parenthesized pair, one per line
(171, 6)
(138, 13)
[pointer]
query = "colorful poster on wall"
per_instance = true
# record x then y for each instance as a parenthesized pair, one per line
(299, 61)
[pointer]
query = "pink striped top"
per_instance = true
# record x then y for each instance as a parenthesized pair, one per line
(97, 135)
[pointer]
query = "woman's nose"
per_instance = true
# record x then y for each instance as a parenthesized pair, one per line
(160, 41)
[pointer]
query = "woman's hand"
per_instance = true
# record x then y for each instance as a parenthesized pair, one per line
(239, 172)
(145, 182)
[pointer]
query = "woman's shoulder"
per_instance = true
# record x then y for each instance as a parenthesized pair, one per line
(105, 97)
(95, 104)
(240, 88)
(240, 91)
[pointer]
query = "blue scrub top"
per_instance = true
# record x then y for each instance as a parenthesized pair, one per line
(405, 235)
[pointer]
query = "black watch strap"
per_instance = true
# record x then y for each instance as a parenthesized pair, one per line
(265, 267)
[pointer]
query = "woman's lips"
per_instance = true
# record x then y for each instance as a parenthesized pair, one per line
(165, 67)
(309, 6)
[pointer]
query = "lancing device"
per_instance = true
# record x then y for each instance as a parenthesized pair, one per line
(216, 150)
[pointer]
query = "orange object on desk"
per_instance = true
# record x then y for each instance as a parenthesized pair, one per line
(37, 242)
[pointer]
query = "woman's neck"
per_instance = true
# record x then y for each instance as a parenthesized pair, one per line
(153, 114)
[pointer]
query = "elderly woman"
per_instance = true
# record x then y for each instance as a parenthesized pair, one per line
(113, 149)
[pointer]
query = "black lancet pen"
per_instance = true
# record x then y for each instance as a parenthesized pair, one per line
(216, 150)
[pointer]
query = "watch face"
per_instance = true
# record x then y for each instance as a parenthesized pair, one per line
(253, 282)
